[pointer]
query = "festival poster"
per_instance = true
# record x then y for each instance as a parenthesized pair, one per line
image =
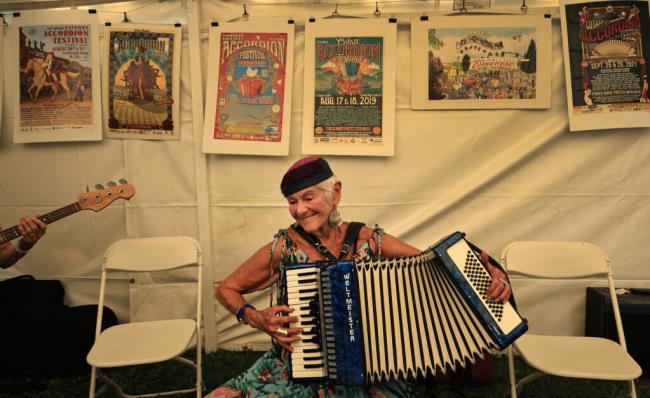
(606, 47)
(481, 62)
(141, 83)
(248, 102)
(349, 101)
(2, 65)
(54, 77)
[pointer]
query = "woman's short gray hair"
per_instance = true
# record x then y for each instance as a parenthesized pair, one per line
(328, 187)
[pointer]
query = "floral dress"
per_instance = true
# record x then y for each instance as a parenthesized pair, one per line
(269, 376)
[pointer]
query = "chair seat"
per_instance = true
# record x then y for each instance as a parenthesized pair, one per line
(142, 343)
(575, 356)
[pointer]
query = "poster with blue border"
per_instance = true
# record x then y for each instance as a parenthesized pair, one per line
(349, 102)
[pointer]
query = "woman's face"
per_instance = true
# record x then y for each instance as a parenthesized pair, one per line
(310, 208)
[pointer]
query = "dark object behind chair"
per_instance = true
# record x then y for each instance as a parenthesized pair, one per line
(39, 334)
(635, 315)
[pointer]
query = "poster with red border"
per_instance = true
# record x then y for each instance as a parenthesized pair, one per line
(606, 48)
(54, 77)
(248, 106)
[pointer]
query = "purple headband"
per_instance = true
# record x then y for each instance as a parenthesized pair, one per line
(305, 173)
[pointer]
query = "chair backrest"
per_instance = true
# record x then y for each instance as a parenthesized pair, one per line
(555, 260)
(152, 254)
(562, 260)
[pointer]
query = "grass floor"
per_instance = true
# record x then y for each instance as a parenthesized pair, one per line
(222, 365)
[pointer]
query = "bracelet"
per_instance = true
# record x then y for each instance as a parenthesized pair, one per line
(20, 250)
(240, 313)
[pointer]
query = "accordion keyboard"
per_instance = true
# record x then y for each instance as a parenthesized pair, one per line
(302, 292)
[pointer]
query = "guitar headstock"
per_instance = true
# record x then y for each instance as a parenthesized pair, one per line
(100, 198)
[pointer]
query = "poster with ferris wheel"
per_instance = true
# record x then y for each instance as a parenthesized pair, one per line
(606, 46)
(481, 62)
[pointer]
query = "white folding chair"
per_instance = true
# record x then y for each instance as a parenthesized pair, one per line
(153, 341)
(567, 356)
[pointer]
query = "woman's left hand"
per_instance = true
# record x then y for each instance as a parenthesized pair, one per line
(499, 289)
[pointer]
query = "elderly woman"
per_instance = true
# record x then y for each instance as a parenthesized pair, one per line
(313, 195)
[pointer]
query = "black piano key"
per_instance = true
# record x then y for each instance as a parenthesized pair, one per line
(311, 350)
(309, 290)
(309, 273)
(314, 366)
(305, 281)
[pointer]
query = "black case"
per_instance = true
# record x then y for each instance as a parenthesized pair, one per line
(635, 315)
(39, 334)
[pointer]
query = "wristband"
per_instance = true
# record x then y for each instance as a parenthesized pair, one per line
(240, 313)
(20, 250)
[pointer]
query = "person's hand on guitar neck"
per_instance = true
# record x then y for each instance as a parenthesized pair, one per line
(31, 229)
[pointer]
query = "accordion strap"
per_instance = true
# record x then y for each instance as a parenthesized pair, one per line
(349, 242)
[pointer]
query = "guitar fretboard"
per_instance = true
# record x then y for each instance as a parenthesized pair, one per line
(13, 232)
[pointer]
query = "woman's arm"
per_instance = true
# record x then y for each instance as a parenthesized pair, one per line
(393, 247)
(499, 289)
(255, 275)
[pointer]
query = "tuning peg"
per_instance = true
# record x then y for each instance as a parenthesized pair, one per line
(111, 183)
(87, 189)
(122, 181)
(99, 186)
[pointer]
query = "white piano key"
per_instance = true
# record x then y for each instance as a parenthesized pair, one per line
(311, 373)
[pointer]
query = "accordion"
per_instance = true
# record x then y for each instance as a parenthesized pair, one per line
(400, 318)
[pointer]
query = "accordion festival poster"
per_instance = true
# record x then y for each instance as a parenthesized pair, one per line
(481, 62)
(349, 100)
(141, 65)
(53, 76)
(248, 102)
(2, 68)
(606, 47)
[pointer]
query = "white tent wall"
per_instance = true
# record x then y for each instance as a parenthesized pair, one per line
(498, 175)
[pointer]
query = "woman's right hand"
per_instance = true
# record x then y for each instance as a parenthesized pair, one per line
(271, 319)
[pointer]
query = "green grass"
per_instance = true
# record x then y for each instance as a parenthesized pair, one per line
(222, 365)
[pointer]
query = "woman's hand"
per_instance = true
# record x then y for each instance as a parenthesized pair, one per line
(499, 289)
(271, 319)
